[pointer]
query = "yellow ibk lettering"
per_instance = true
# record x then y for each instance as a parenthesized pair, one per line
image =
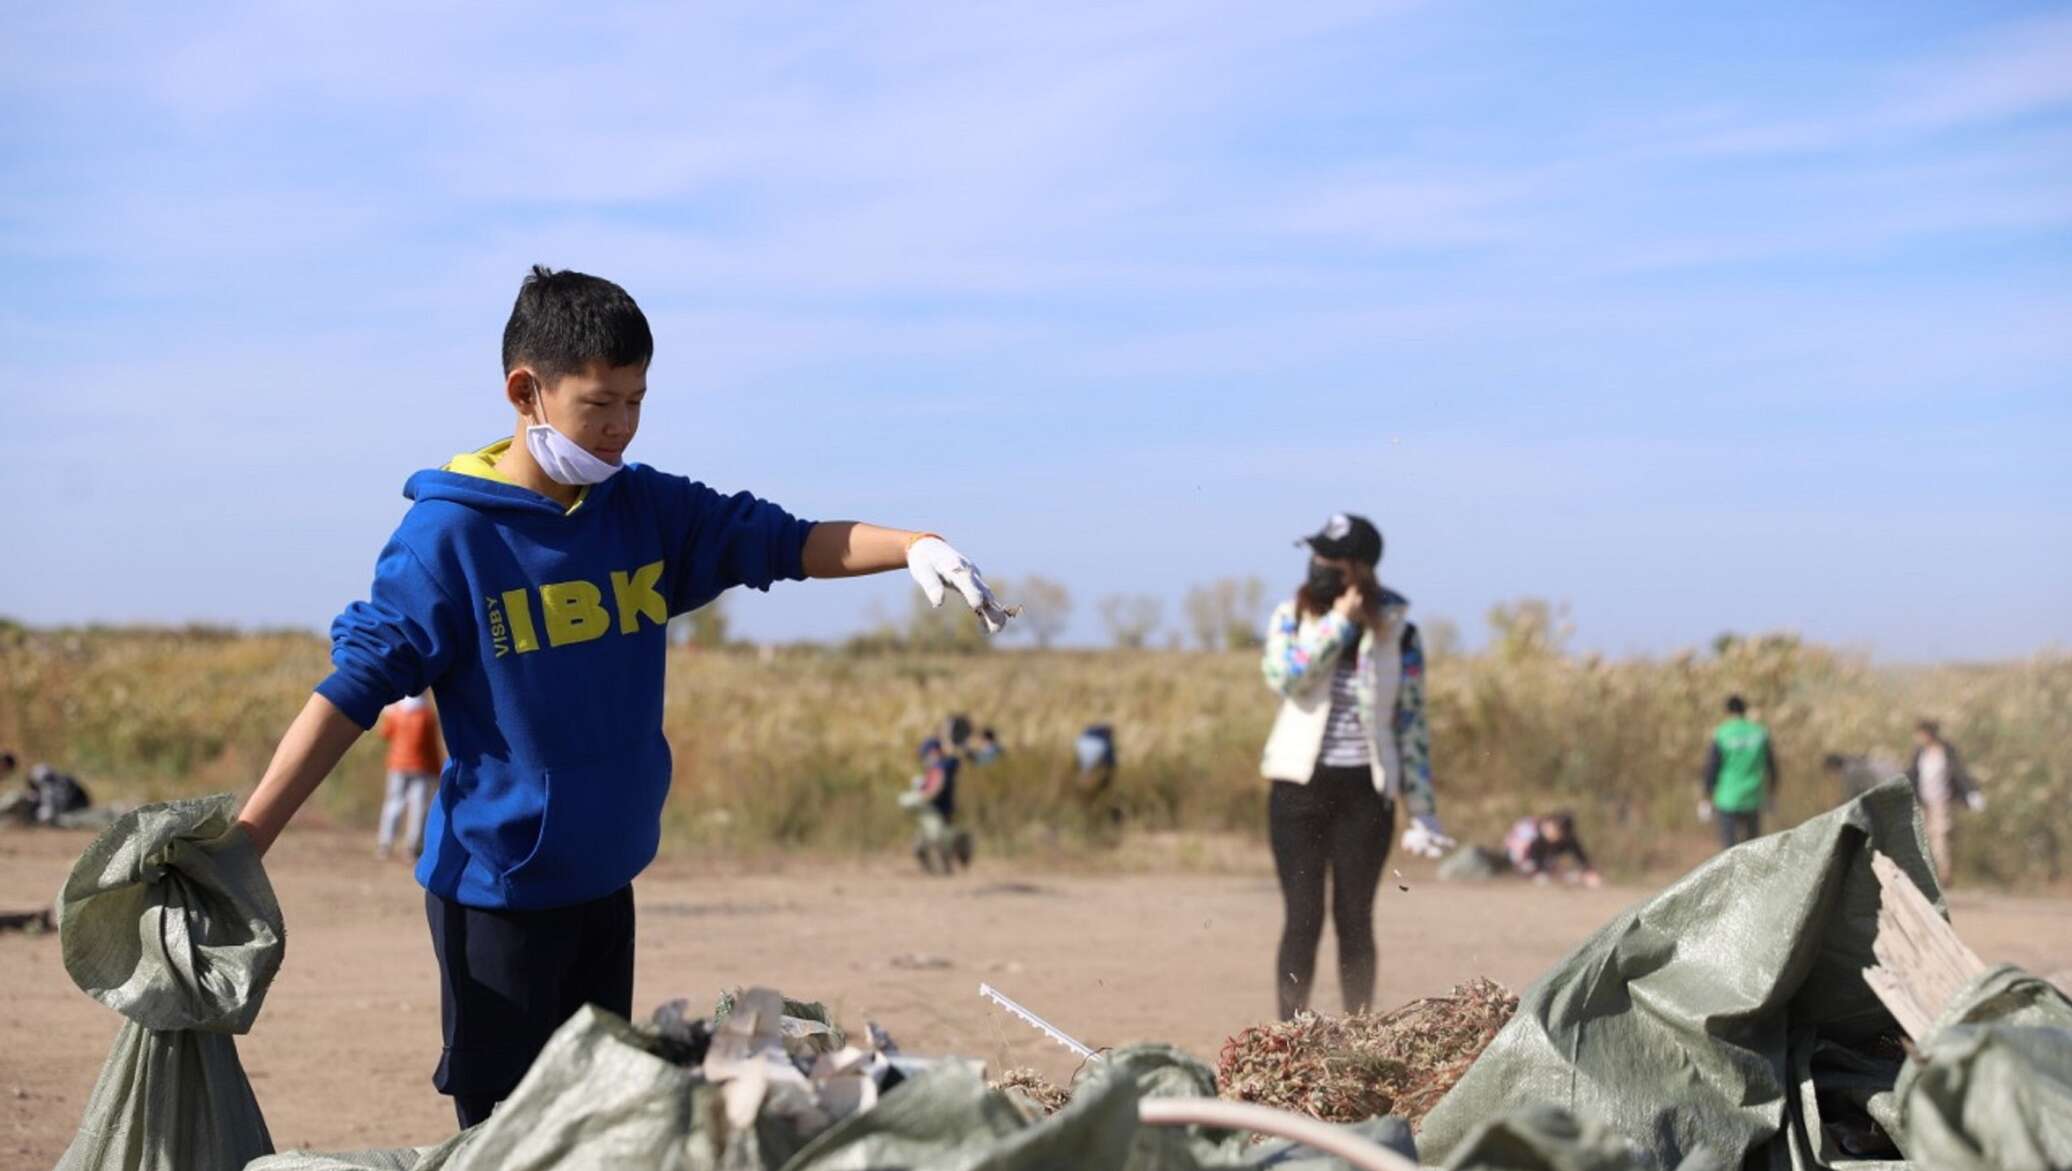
(635, 596)
(518, 612)
(574, 612)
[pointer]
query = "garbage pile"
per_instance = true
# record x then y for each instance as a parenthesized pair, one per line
(1344, 1069)
(772, 1091)
(1739, 1018)
(49, 799)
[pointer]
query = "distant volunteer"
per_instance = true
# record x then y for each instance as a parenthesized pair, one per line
(940, 845)
(415, 759)
(1941, 783)
(1349, 746)
(1740, 777)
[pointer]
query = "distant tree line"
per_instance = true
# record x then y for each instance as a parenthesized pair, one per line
(1222, 615)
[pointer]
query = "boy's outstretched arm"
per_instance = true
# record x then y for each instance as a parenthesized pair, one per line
(308, 752)
(850, 548)
(847, 548)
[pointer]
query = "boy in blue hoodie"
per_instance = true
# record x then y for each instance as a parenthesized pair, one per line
(530, 586)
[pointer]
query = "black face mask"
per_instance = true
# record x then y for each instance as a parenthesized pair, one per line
(1326, 581)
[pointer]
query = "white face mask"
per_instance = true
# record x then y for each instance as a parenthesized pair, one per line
(563, 459)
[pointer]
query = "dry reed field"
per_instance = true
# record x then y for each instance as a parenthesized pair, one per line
(804, 749)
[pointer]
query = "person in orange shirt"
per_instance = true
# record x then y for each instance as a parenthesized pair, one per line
(415, 757)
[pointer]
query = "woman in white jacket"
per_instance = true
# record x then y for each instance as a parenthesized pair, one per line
(1349, 746)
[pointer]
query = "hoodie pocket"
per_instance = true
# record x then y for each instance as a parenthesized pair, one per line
(493, 809)
(602, 823)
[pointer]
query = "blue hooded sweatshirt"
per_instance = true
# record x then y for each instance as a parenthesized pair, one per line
(542, 631)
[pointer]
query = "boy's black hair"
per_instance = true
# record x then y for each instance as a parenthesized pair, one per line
(7, 762)
(1736, 706)
(1834, 762)
(563, 321)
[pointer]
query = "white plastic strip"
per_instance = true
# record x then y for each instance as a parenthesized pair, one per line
(1323, 1136)
(1033, 1021)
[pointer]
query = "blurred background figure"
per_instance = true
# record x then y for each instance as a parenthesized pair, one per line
(1093, 752)
(415, 756)
(1092, 784)
(987, 748)
(1856, 775)
(956, 735)
(1941, 782)
(1740, 777)
(1546, 847)
(939, 845)
(14, 802)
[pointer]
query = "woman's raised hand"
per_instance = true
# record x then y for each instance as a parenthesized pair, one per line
(1352, 604)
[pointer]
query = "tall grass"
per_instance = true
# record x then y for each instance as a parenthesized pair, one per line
(805, 749)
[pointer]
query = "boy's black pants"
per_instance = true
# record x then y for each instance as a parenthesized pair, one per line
(508, 979)
(1335, 825)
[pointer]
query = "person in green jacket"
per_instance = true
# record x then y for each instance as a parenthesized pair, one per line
(1740, 778)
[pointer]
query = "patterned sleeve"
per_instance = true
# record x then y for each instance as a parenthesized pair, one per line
(1413, 734)
(1291, 660)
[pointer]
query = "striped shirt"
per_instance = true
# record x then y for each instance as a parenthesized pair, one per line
(1345, 739)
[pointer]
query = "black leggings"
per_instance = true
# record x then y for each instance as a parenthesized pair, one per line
(1338, 824)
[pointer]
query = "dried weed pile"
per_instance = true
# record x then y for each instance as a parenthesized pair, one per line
(1346, 1069)
(1041, 1094)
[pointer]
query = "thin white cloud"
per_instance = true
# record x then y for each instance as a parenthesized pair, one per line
(1405, 213)
(2015, 71)
(2010, 72)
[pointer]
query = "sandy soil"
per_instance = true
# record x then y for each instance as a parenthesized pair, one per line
(342, 1055)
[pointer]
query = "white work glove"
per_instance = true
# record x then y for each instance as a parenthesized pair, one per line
(1975, 801)
(1705, 811)
(1425, 839)
(933, 563)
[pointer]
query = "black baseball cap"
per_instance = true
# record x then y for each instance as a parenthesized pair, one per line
(1353, 538)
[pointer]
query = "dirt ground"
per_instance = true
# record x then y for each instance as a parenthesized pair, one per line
(342, 1055)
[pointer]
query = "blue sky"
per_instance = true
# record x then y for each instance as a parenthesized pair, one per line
(1745, 319)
